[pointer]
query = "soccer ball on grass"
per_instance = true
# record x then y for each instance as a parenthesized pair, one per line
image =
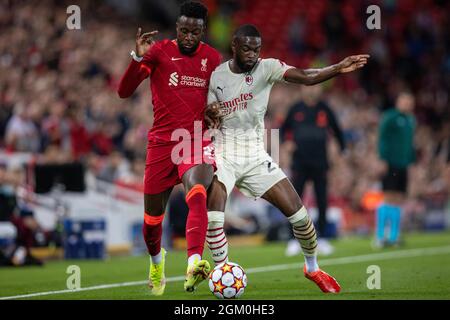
(227, 281)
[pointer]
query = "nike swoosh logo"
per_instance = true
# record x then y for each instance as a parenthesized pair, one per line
(189, 230)
(175, 59)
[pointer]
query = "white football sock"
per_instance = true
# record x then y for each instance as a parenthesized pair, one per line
(305, 233)
(216, 238)
(156, 259)
(311, 263)
(193, 258)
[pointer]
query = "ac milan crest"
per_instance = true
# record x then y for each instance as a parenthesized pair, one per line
(248, 79)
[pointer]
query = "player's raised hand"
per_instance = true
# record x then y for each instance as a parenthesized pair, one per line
(352, 63)
(213, 117)
(144, 41)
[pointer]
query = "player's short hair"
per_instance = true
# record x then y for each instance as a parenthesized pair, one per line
(246, 30)
(193, 9)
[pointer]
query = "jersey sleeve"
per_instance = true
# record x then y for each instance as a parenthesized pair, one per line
(275, 69)
(138, 72)
(212, 96)
(132, 78)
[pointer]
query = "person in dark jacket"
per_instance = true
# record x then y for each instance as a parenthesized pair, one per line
(308, 124)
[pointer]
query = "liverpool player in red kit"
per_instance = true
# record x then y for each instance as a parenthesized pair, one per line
(179, 72)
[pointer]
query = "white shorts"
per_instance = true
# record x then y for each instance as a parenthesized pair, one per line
(252, 177)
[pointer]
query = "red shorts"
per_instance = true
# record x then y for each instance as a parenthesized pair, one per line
(167, 162)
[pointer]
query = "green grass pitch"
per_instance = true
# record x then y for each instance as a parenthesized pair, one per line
(418, 270)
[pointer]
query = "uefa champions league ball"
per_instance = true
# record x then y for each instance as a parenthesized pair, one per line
(227, 281)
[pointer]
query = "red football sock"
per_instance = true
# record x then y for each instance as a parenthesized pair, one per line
(152, 230)
(197, 220)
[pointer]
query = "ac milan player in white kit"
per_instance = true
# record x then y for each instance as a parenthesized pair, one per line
(237, 102)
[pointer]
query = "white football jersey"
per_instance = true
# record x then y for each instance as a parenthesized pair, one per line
(243, 98)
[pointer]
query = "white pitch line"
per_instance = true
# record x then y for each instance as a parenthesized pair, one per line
(102, 286)
(326, 262)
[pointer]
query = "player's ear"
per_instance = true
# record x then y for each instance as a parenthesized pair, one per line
(234, 44)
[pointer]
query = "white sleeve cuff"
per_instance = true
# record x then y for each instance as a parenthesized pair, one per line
(135, 57)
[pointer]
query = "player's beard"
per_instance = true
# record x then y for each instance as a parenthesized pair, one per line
(187, 51)
(242, 65)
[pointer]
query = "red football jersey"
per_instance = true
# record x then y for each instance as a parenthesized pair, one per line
(179, 85)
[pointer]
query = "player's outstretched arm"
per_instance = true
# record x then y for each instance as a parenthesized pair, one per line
(136, 71)
(314, 76)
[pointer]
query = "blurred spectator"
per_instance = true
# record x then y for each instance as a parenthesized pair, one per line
(79, 136)
(297, 35)
(116, 168)
(221, 28)
(308, 124)
(396, 149)
(55, 128)
(14, 213)
(334, 26)
(21, 133)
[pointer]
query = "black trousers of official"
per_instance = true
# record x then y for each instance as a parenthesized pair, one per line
(319, 178)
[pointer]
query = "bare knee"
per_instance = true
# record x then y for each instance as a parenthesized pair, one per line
(201, 174)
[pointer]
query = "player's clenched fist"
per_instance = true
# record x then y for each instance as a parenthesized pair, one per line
(213, 117)
(144, 41)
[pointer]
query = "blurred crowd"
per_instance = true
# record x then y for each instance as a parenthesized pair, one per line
(57, 89)
(58, 95)
(19, 228)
